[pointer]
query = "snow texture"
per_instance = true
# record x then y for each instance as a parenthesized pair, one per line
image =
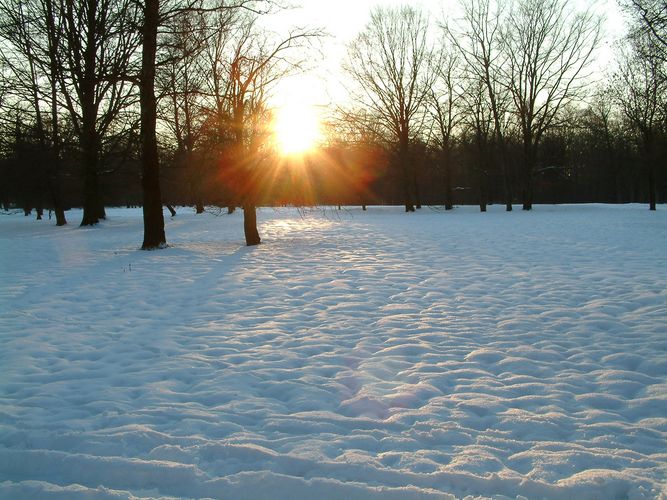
(354, 355)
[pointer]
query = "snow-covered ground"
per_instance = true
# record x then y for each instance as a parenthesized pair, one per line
(352, 355)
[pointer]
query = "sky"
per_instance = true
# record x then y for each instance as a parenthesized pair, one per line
(344, 19)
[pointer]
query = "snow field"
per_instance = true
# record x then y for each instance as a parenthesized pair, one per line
(351, 355)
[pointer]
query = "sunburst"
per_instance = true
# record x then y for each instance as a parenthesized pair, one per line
(296, 129)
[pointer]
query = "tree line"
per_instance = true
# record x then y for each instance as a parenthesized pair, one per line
(107, 95)
(501, 104)
(167, 102)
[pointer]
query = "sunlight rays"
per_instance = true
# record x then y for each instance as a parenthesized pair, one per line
(297, 128)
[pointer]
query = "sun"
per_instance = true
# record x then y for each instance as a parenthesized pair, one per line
(296, 128)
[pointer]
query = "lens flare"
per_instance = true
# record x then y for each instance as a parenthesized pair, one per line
(296, 129)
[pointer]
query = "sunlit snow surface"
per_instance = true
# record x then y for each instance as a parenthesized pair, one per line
(352, 355)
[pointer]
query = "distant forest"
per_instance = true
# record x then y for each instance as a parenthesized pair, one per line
(168, 102)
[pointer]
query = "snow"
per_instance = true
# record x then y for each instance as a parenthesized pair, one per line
(354, 355)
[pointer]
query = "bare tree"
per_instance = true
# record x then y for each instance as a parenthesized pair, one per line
(53, 35)
(357, 148)
(650, 23)
(445, 100)
(152, 15)
(182, 84)
(479, 136)
(641, 93)
(257, 62)
(96, 59)
(547, 47)
(154, 235)
(602, 129)
(32, 33)
(390, 61)
(478, 38)
(225, 26)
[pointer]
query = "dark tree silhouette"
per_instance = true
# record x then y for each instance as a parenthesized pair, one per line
(479, 137)
(153, 15)
(479, 41)
(640, 90)
(390, 61)
(256, 64)
(32, 37)
(96, 60)
(548, 47)
(154, 235)
(182, 82)
(444, 102)
(650, 23)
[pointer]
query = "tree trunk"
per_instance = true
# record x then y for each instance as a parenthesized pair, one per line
(528, 169)
(405, 169)
(527, 195)
(89, 142)
(61, 220)
(418, 202)
(101, 212)
(415, 185)
(250, 225)
(154, 236)
(89, 145)
(527, 191)
(508, 193)
(53, 178)
(483, 188)
(91, 204)
(651, 186)
(446, 167)
(54, 186)
(507, 181)
(54, 163)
